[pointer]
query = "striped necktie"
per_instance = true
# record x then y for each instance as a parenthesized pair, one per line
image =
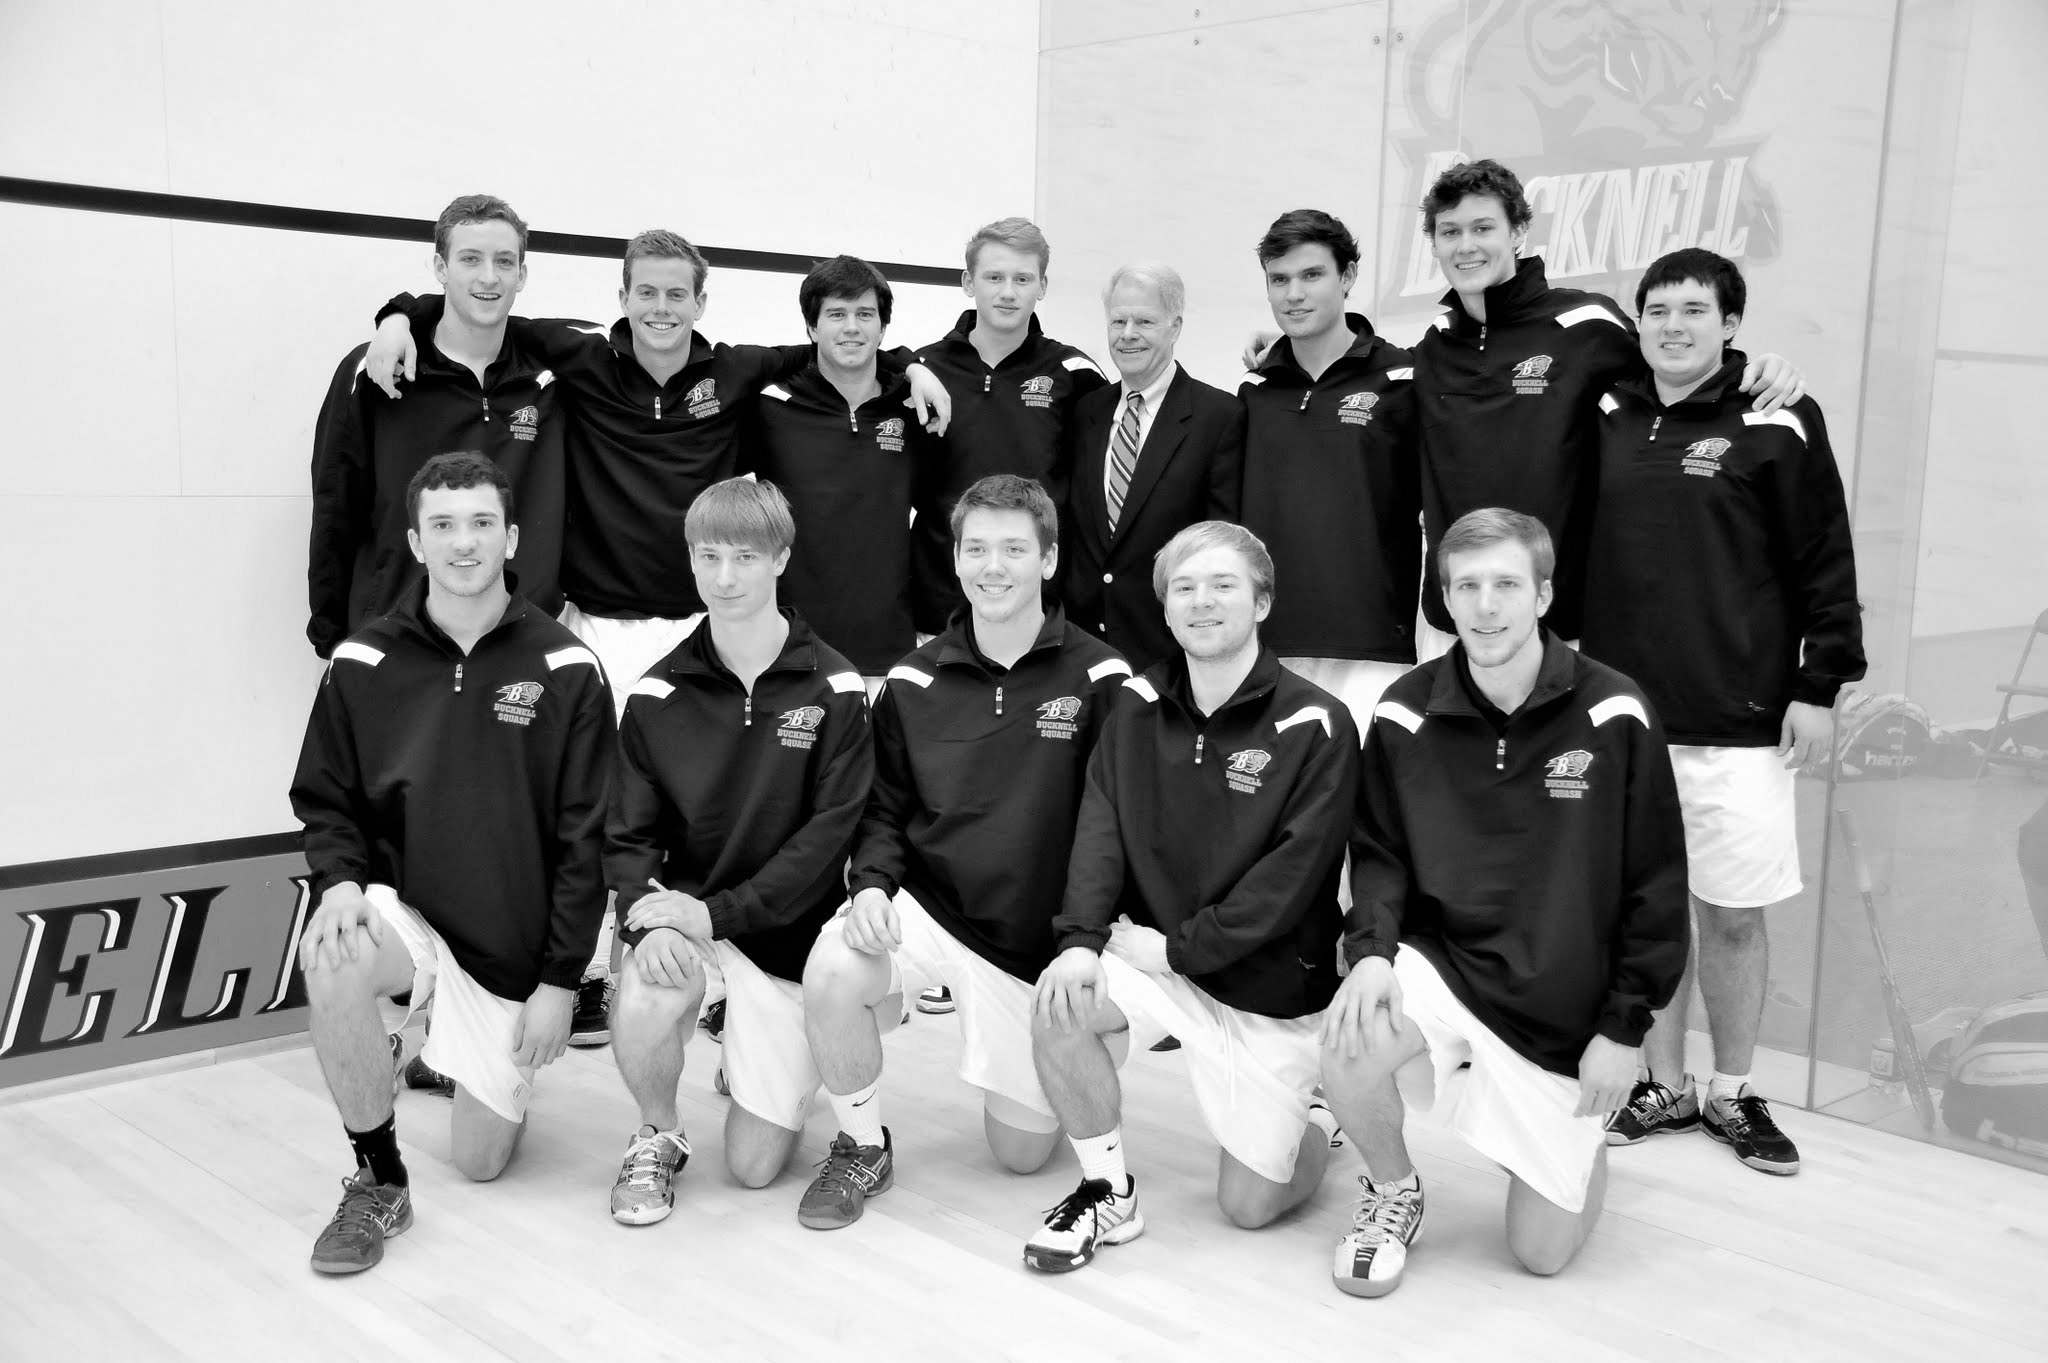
(1123, 455)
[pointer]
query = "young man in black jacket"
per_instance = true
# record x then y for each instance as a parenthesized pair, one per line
(1722, 578)
(1151, 455)
(981, 740)
(1518, 873)
(1330, 477)
(1201, 901)
(745, 761)
(836, 439)
(477, 387)
(1013, 390)
(452, 787)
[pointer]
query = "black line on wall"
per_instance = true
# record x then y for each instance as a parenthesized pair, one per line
(145, 203)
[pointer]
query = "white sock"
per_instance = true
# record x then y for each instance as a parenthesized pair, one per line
(1388, 1185)
(1726, 1085)
(1103, 1157)
(1323, 1120)
(859, 1113)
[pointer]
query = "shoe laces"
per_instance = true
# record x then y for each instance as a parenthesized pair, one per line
(1083, 1201)
(1386, 1214)
(594, 992)
(360, 1206)
(843, 1168)
(645, 1162)
(1651, 1099)
(1747, 1114)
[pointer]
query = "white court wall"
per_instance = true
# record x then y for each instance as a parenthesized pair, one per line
(161, 378)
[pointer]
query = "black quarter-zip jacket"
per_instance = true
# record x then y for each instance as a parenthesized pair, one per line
(474, 785)
(1722, 574)
(366, 448)
(978, 777)
(745, 801)
(1225, 832)
(1509, 412)
(1331, 485)
(850, 476)
(1011, 418)
(1537, 859)
(639, 451)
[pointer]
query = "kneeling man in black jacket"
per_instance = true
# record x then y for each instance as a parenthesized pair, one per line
(1518, 911)
(1201, 901)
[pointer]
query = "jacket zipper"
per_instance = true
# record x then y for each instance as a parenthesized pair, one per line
(986, 380)
(999, 700)
(1306, 394)
(1199, 739)
(458, 678)
(1659, 421)
(747, 720)
(1500, 753)
(657, 406)
(487, 409)
(853, 421)
(1482, 335)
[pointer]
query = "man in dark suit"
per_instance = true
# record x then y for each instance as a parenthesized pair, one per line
(1151, 456)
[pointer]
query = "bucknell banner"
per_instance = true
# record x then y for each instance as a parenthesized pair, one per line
(111, 960)
(1614, 114)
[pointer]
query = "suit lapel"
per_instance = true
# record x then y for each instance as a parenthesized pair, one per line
(1169, 429)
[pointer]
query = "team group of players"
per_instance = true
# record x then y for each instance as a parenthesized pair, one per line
(849, 675)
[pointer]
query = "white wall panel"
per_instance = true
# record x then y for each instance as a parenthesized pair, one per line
(82, 92)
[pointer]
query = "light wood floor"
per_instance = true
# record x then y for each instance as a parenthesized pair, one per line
(170, 1217)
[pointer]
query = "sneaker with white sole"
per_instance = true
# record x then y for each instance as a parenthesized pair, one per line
(1373, 1254)
(937, 999)
(848, 1177)
(1091, 1216)
(370, 1213)
(590, 1022)
(1744, 1124)
(1654, 1109)
(645, 1190)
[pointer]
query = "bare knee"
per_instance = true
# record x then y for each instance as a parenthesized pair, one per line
(641, 1008)
(836, 974)
(1245, 1211)
(1543, 1254)
(482, 1164)
(756, 1150)
(1729, 929)
(1017, 1149)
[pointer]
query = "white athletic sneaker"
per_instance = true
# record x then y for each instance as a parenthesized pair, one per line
(645, 1190)
(1372, 1254)
(1089, 1216)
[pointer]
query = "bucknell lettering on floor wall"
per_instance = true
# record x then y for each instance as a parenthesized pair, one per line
(112, 960)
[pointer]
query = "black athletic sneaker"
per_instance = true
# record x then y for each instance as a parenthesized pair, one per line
(849, 1175)
(1091, 1216)
(1743, 1123)
(419, 1075)
(1654, 1109)
(370, 1213)
(713, 1021)
(591, 1023)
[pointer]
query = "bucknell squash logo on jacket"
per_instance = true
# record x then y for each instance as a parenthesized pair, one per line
(1056, 718)
(702, 400)
(1356, 410)
(1562, 774)
(1243, 768)
(798, 728)
(515, 703)
(1037, 392)
(889, 435)
(525, 423)
(1529, 376)
(1703, 457)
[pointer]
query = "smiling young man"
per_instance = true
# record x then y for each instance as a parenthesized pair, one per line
(1722, 577)
(1013, 389)
(982, 737)
(656, 414)
(476, 388)
(1329, 470)
(1151, 456)
(1518, 882)
(1509, 379)
(836, 440)
(1201, 901)
(745, 761)
(452, 788)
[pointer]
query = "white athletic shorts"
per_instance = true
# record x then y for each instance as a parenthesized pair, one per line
(1253, 1075)
(767, 1057)
(470, 1040)
(1741, 830)
(1507, 1107)
(627, 648)
(1357, 682)
(992, 1005)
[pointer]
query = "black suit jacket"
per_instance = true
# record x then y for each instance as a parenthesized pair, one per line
(1190, 468)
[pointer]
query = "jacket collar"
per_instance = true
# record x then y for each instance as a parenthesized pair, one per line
(1169, 678)
(958, 649)
(701, 351)
(1505, 303)
(1452, 692)
(811, 384)
(698, 655)
(412, 612)
(1718, 386)
(1364, 341)
(963, 329)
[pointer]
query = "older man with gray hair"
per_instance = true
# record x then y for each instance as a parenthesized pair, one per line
(1151, 456)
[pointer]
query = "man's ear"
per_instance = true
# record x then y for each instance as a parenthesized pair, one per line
(419, 551)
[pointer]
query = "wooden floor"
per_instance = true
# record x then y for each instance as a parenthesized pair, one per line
(170, 1217)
